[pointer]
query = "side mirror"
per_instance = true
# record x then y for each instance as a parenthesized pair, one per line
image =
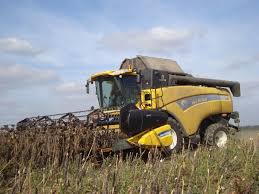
(87, 87)
(138, 78)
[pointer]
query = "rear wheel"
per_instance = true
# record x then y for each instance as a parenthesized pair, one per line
(216, 135)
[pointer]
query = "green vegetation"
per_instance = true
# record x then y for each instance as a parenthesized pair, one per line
(44, 163)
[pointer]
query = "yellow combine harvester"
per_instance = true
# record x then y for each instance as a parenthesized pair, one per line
(155, 104)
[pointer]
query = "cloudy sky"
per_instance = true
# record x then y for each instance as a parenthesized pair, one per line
(49, 48)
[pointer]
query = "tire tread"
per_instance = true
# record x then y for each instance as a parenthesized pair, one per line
(210, 132)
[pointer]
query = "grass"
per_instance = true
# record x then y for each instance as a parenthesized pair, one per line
(45, 163)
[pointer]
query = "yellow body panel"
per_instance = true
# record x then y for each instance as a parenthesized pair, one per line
(158, 137)
(153, 137)
(199, 102)
(116, 127)
(113, 73)
(171, 99)
(190, 105)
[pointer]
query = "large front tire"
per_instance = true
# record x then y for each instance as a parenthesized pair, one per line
(216, 135)
(177, 143)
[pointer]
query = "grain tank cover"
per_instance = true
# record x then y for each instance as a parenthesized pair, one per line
(159, 72)
(145, 62)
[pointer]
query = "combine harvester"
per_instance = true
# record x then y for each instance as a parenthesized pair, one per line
(151, 103)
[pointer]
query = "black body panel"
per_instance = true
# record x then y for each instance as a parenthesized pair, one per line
(151, 78)
(134, 121)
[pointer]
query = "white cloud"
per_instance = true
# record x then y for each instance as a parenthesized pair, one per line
(72, 92)
(250, 89)
(69, 88)
(154, 40)
(243, 62)
(74, 42)
(18, 46)
(16, 76)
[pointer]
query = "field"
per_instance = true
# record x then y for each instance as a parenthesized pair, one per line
(57, 163)
(247, 133)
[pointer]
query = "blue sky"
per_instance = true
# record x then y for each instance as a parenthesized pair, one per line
(49, 48)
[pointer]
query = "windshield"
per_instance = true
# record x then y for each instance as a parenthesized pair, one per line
(117, 91)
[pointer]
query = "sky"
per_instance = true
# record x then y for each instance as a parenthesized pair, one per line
(49, 48)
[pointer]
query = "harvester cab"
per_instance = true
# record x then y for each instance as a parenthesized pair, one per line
(156, 104)
(115, 89)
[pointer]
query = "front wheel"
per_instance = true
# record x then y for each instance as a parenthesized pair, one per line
(216, 135)
(177, 136)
